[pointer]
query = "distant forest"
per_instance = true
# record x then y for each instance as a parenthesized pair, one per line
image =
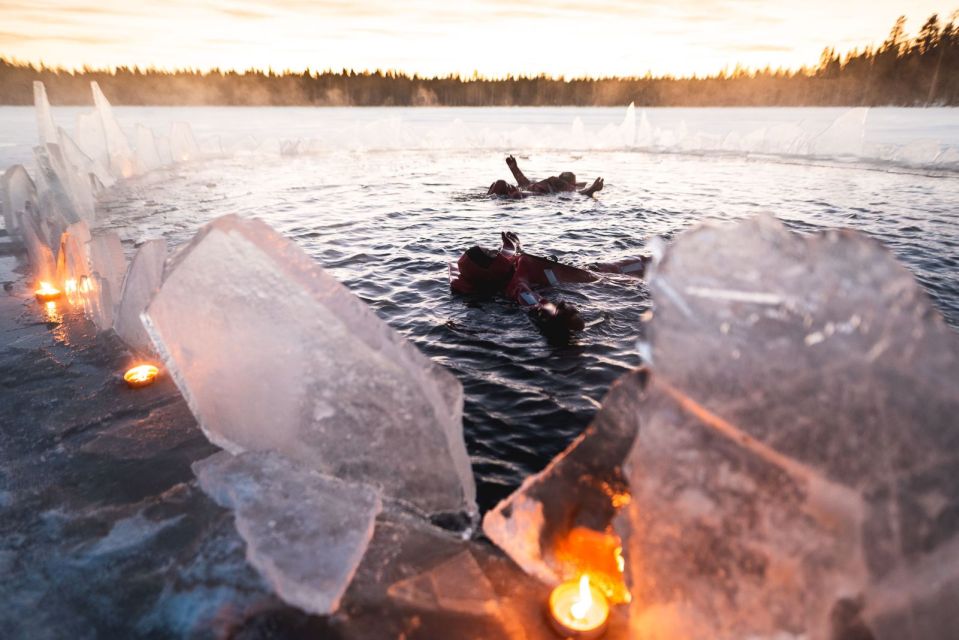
(904, 71)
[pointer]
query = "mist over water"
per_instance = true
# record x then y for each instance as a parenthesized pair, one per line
(385, 198)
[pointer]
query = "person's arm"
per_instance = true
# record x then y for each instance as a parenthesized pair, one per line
(635, 267)
(596, 186)
(521, 179)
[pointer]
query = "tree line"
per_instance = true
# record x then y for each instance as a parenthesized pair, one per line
(920, 70)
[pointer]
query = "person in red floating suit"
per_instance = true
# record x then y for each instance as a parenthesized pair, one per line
(564, 182)
(518, 275)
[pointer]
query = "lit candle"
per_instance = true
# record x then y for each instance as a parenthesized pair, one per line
(578, 609)
(47, 292)
(141, 375)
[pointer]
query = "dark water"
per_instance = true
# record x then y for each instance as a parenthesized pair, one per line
(386, 224)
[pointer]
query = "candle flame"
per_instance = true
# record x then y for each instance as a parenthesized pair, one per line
(47, 289)
(141, 375)
(581, 606)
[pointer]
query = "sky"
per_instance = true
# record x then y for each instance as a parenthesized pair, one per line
(437, 37)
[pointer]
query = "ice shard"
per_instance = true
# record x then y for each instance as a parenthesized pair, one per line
(558, 524)
(457, 584)
(70, 192)
(795, 471)
(92, 139)
(39, 252)
(148, 158)
(183, 146)
(17, 193)
(108, 266)
(140, 283)
(122, 163)
(91, 170)
(272, 353)
(305, 533)
(45, 126)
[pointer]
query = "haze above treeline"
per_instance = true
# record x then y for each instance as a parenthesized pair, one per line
(920, 70)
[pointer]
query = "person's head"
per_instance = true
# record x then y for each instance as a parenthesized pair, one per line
(482, 270)
(569, 178)
(500, 188)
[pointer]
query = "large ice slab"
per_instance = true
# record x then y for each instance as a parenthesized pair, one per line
(183, 146)
(796, 466)
(305, 533)
(148, 158)
(41, 107)
(69, 189)
(558, 524)
(108, 266)
(39, 252)
(140, 283)
(272, 353)
(17, 193)
(122, 162)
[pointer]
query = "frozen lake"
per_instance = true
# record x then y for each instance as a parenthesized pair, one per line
(104, 528)
(386, 197)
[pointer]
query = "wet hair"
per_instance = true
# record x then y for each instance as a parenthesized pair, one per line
(499, 188)
(481, 257)
(568, 177)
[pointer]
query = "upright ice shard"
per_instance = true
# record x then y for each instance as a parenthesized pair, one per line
(17, 193)
(183, 146)
(141, 282)
(33, 233)
(796, 466)
(305, 533)
(89, 168)
(558, 524)
(272, 353)
(108, 267)
(122, 163)
(70, 192)
(45, 126)
(148, 158)
(92, 139)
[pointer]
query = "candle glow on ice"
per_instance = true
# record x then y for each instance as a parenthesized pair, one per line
(46, 292)
(578, 609)
(141, 375)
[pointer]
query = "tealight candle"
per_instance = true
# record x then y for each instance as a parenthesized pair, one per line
(47, 292)
(140, 375)
(578, 609)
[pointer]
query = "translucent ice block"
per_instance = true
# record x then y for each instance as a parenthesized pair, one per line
(45, 126)
(797, 457)
(122, 163)
(305, 533)
(86, 166)
(42, 260)
(108, 266)
(91, 137)
(17, 192)
(546, 523)
(272, 353)
(141, 282)
(148, 158)
(69, 192)
(183, 146)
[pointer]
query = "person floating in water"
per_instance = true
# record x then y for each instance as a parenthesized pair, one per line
(564, 182)
(518, 275)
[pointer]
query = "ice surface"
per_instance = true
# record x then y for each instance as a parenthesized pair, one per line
(148, 158)
(272, 353)
(45, 126)
(141, 282)
(305, 533)
(183, 146)
(574, 498)
(108, 265)
(122, 163)
(797, 466)
(17, 192)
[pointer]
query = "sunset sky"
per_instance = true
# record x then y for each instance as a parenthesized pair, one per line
(493, 37)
